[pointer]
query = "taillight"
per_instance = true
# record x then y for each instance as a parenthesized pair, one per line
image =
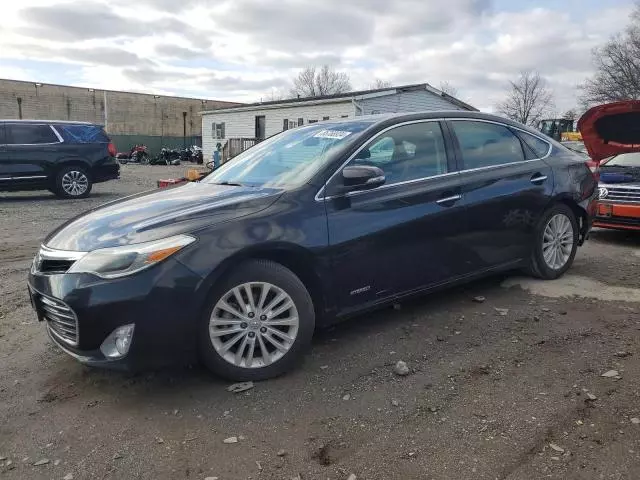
(112, 149)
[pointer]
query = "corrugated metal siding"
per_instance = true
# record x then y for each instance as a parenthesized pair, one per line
(415, 101)
(242, 124)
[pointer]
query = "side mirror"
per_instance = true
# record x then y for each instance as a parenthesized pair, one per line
(361, 178)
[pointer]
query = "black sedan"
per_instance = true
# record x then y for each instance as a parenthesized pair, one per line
(308, 227)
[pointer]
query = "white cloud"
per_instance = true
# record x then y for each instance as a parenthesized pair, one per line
(240, 49)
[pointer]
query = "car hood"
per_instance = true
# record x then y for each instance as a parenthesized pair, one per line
(159, 214)
(611, 129)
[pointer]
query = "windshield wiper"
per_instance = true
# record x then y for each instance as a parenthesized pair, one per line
(232, 184)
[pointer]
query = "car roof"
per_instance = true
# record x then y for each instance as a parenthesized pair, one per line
(46, 122)
(389, 119)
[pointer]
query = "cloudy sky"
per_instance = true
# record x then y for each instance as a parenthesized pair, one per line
(245, 49)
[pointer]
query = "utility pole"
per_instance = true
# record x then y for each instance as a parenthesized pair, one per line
(184, 129)
(106, 114)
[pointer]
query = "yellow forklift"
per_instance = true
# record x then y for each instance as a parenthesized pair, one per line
(560, 129)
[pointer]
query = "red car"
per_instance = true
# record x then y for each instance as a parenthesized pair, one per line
(611, 134)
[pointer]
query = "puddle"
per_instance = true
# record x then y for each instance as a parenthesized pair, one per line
(575, 286)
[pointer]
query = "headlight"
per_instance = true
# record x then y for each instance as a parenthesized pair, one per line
(120, 261)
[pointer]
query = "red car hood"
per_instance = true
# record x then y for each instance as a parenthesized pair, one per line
(611, 129)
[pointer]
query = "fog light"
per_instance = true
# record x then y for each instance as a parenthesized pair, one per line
(117, 344)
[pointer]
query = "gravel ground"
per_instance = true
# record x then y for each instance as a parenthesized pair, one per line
(507, 388)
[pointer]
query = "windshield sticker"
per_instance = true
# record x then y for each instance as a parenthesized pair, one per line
(337, 134)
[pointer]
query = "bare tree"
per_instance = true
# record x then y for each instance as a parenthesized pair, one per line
(275, 95)
(313, 82)
(449, 89)
(617, 65)
(528, 99)
(570, 114)
(379, 84)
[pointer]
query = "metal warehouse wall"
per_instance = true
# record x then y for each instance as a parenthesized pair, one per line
(127, 113)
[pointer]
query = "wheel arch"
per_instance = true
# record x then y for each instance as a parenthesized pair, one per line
(301, 261)
(582, 217)
(74, 161)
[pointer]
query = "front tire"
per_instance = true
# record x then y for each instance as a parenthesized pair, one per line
(258, 324)
(555, 243)
(73, 182)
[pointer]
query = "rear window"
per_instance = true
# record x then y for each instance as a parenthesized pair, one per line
(83, 133)
(27, 134)
(486, 144)
(538, 147)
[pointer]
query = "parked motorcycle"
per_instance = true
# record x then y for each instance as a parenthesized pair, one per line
(167, 156)
(191, 154)
(197, 155)
(137, 154)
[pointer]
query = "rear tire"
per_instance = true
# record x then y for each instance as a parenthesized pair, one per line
(555, 243)
(73, 182)
(263, 342)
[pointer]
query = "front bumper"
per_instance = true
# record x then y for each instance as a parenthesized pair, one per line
(619, 216)
(163, 302)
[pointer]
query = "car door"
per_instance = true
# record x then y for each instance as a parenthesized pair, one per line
(506, 185)
(31, 151)
(403, 235)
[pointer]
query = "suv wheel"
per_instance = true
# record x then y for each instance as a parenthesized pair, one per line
(556, 243)
(73, 182)
(258, 324)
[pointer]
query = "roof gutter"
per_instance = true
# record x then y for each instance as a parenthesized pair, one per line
(253, 108)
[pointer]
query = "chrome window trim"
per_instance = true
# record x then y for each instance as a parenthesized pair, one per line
(396, 184)
(319, 198)
(55, 130)
(58, 136)
(494, 167)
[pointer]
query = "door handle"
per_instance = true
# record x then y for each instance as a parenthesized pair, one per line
(538, 179)
(451, 199)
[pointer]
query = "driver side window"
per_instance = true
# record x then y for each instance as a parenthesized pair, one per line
(408, 152)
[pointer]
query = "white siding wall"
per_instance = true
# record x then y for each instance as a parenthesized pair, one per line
(242, 124)
(414, 101)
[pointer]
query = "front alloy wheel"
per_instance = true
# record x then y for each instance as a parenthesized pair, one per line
(258, 324)
(254, 325)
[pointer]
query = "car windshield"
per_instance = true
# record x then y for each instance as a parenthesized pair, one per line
(289, 159)
(624, 160)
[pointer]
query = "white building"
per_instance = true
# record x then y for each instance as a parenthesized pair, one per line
(262, 120)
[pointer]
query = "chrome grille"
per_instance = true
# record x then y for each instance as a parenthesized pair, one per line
(55, 266)
(50, 261)
(61, 319)
(624, 193)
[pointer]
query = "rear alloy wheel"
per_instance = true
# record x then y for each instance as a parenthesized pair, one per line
(556, 243)
(259, 323)
(73, 182)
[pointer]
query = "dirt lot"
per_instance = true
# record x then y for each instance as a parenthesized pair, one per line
(508, 388)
